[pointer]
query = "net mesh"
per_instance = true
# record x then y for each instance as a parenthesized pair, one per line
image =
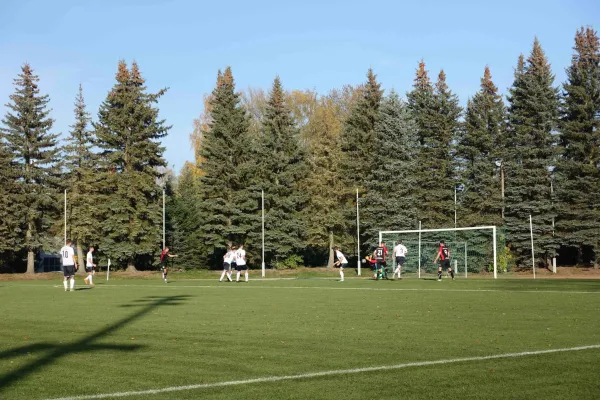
(471, 251)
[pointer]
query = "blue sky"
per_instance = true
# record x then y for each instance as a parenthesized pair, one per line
(311, 44)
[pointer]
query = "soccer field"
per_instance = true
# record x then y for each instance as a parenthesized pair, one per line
(301, 339)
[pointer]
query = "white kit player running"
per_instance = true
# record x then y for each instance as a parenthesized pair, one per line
(227, 259)
(89, 266)
(400, 254)
(67, 256)
(341, 262)
(240, 264)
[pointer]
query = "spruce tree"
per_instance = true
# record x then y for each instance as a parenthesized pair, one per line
(533, 115)
(324, 185)
(128, 132)
(358, 147)
(578, 169)
(358, 136)
(35, 154)
(82, 183)
(437, 114)
(184, 214)
(479, 148)
(280, 169)
(389, 204)
(228, 209)
(9, 212)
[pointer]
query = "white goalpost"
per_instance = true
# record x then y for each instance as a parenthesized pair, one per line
(463, 243)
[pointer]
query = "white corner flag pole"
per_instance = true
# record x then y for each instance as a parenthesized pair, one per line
(532, 249)
(108, 269)
(419, 249)
(65, 217)
(357, 235)
(263, 232)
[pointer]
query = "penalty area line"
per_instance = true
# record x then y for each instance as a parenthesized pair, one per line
(310, 375)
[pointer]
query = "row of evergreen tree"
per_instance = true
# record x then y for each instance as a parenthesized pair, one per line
(109, 169)
(537, 154)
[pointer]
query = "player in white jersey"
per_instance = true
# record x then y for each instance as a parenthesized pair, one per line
(67, 256)
(240, 263)
(400, 254)
(227, 259)
(89, 267)
(341, 262)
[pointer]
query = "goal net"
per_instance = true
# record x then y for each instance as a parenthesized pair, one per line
(472, 250)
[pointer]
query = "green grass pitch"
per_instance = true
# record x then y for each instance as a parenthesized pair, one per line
(140, 334)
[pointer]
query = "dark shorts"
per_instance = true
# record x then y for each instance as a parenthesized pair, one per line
(344, 265)
(381, 264)
(226, 266)
(241, 267)
(445, 263)
(400, 260)
(69, 270)
(89, 269)
(163, 265)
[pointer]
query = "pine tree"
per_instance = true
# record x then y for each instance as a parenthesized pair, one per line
(228, 208)
(324, 185)
(479, 148)
(358, 147)
(389, 204)
(128, 132)
(184, 214)
(533, 114)
(9, 212)
(358, 136)
(280, 169)
(81, 181)
(35, 154)
(437, 114)
(578, 170)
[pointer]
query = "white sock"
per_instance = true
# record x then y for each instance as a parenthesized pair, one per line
(237, 276)
(246, 275)
(65, 284)
(342, 274)
(222, 275)
(163, 274)
(90, 278)
(72, 283)
(229, 276)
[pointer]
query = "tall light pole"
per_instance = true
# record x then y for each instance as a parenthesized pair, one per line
(262, 192)
(163, 220)
(65, 217)
(357, 235)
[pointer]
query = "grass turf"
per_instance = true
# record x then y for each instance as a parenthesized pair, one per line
(130, 335)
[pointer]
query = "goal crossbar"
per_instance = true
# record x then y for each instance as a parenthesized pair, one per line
(471, 228)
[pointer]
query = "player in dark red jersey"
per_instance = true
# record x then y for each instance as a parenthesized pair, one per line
(444, 256)
(380, 255)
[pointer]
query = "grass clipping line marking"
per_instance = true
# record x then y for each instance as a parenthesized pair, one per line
(324, 373)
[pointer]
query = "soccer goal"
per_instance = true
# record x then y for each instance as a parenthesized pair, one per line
(472, 249)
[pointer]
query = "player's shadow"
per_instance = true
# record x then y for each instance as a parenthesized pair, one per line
(56, 351)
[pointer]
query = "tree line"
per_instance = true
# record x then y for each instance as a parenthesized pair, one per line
(534, 152)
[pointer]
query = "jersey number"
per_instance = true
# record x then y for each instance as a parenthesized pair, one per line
(65, 254)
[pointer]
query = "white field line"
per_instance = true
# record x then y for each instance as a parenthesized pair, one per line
(309, 375)
(246, 286)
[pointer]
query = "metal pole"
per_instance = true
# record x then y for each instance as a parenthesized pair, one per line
(494, 251)
(419, 249)
(502, 188)
(455, 210)
(466, 264)
(164, 244)
(262, 193)
(532, 250)
(65, 217)
(357, 235)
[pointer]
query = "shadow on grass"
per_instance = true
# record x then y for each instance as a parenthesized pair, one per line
(56, 351)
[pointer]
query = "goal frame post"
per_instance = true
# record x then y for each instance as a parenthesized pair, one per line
(471, 228)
